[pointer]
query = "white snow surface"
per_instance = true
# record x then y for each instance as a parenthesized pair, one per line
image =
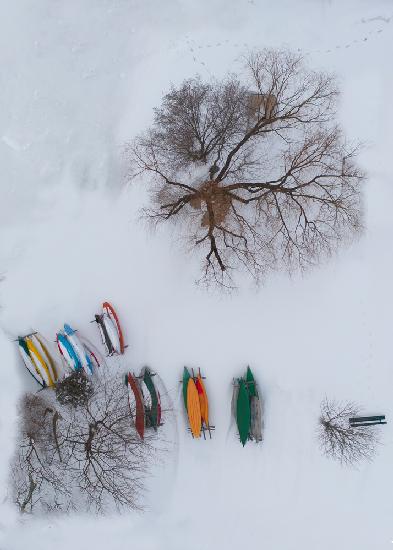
(77, 80)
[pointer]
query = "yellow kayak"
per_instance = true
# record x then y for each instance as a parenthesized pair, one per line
(48, 358)
(39, 361)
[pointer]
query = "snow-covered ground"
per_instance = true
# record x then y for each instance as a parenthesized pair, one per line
(77, 80)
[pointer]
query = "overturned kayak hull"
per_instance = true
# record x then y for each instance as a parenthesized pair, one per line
(243, 412)
(152, 398)
(53, 366)
(186, 378)
(251, 385)
(203, 401)
(247, 408)
(79, 349)
(256, 419)
(110, 311)
(106, 341)
(24, 352)
(194, 409)
(38, 360)
(96, 358)
(112, 333)
(137, 408)
(67, 352)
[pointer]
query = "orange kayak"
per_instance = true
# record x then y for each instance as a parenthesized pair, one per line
(203, 401)
(194, 408)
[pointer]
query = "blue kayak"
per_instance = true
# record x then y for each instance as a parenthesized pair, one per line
(79, 349)
(68, 352)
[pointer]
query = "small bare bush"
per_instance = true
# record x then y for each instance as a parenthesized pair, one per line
(75, 390)
(341, 441)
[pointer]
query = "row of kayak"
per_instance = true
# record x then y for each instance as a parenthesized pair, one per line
(38, 360)
(146, 410)
(196, 403)
(246, 406)
(144, 400)
(78, 354)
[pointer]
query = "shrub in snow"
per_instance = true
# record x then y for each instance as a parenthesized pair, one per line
(255, 166)
(339, 439)
(75, 390)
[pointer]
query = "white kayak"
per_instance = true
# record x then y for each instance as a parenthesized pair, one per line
(79, 349)
(43, 348)
(24, 352)
(38, 360)
(112, 333)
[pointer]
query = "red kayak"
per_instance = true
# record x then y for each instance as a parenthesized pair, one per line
(137, 407)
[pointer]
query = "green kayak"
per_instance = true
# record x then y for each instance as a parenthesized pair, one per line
(153, 412)
(23, 345)
(186, 377)
(243, 411)
(250, 380)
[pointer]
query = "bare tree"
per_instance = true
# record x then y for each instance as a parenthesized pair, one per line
(256, 166)
(341, 441)
(37, 470)
(107, 455)
(84, 454)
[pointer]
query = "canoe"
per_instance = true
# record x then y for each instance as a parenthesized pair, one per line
(137, 408)
(39, 361)
(194, 408)
(44, 350)
(24, 352)
(159, 409)
(68, 352)
(235, 394)
(203, 401)
(251, 385)
(109, 310)
(186, 378)
(106, 341)
(256, 418)
(155, 415)
(79, 349)
(149, 420)
(112, 333)
(243, 412)
(95, 357)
